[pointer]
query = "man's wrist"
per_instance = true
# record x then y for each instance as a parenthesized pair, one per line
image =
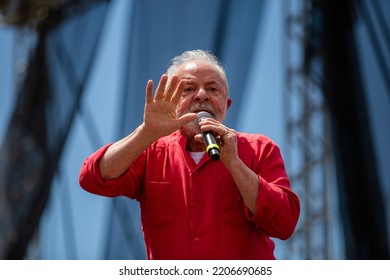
(148, 135)
(233, 163)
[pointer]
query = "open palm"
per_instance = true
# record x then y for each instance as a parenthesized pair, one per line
(160, 111)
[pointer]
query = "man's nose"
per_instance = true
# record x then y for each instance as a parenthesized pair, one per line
(201, 95)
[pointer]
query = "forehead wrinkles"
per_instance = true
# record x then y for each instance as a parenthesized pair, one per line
(198, 67)
(193, 70)
(192, 73)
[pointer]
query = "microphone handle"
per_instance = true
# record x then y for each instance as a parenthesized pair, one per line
(212, 148)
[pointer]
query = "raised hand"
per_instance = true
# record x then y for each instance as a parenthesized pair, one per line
(160, 117)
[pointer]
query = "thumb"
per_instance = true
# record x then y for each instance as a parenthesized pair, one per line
(187, 118)
(199, 138)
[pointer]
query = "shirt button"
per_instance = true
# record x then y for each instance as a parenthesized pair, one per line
(196, 239)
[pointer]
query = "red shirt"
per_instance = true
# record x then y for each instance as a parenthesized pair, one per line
(195, 211)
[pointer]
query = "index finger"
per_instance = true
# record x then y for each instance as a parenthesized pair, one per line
(149, 92)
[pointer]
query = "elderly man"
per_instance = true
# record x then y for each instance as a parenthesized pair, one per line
(193, 207)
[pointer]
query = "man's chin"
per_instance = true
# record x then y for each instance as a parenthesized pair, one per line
(190, 130)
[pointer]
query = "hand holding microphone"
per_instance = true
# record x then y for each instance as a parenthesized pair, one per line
(212, 147)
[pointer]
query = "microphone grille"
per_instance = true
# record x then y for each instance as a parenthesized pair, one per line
(203, 114)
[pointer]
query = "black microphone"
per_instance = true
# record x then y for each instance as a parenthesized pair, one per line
(212, 148)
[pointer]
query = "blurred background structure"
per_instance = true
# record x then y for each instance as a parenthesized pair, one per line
(314, 75)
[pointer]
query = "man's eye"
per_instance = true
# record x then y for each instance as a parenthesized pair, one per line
(188, 89)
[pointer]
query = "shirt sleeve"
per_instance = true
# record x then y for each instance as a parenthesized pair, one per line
(278, 206)
(127, 184)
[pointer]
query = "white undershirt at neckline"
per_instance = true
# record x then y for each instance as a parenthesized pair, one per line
(197, 156)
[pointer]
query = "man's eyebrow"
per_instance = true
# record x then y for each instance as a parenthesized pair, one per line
(212, 83)
(190, 81)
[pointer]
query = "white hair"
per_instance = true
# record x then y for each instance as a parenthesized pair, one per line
(196, 55)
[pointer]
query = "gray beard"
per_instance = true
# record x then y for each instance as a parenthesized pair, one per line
(192, 128)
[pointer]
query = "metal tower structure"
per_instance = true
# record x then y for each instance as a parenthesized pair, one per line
(329, 91)
(307, 126)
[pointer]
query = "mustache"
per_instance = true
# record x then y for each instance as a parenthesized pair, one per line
(197, 107)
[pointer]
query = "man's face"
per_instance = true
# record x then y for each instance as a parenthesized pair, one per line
(205, 90)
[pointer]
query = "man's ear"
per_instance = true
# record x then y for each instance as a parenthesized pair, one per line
(228, 103)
